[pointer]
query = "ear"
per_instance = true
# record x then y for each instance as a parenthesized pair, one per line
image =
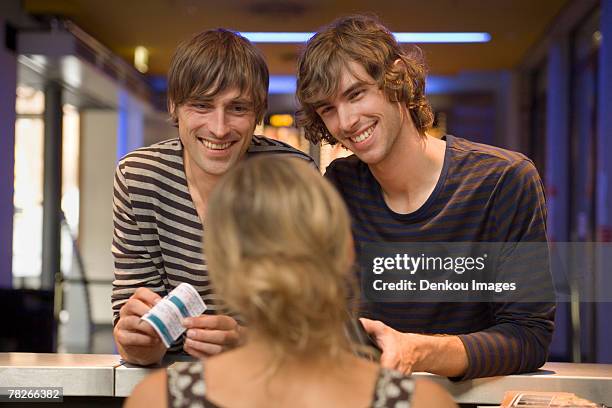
(172, 111)
(399, 70)
(398, 63)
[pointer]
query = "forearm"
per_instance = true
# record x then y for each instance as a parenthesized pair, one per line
(517, 343)
(442, 355)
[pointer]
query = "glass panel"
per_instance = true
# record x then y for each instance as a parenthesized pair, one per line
(27, 199)
(70, 184)
(28, 185)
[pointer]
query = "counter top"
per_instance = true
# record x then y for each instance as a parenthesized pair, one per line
(77, 374)
(590, 381)
(107, 375)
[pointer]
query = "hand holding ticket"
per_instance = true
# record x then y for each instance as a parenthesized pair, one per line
(165, 317)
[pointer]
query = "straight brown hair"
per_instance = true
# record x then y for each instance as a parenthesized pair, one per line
(214, 61)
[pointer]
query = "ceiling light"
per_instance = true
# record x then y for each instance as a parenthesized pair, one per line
(300, 37)
(287, 84)
(269, 37)
(442, 37)
(141, 59)
(597, 38)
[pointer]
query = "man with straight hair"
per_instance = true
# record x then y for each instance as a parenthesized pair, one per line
(217, 93)
(357, 86)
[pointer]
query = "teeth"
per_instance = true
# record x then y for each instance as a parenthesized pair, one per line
(367, 133)
(215, 146)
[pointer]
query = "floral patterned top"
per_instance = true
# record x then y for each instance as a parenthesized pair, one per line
(187, 388)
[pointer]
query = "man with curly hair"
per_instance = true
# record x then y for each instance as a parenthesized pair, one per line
(357, 86)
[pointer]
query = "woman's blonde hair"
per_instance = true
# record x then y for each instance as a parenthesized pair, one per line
(279, 249)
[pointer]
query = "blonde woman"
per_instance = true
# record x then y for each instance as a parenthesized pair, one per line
(279, 251)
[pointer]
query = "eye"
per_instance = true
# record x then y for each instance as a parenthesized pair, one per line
(201, 106)
(324, 110)
(357, 93)
(240, 109)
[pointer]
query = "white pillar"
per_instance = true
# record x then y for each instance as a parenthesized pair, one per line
(98, 159)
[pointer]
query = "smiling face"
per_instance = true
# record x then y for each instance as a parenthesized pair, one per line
(361, 117)
(216, 132)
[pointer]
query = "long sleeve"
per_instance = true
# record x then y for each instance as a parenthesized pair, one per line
(135, 265)
(519, 339)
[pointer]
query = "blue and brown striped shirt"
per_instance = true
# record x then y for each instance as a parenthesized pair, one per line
(484, 194)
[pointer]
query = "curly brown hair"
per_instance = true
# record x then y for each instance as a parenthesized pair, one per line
(365, 40)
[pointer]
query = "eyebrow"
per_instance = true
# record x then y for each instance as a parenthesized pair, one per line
(241, 101)
(198, 99)
(357, 84)
(236, 101)
(352, 88)
(320, 104)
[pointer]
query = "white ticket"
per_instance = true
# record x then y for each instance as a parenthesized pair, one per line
(165, 317)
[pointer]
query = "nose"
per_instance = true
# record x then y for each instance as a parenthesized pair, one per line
(347, 118)
(218, 125)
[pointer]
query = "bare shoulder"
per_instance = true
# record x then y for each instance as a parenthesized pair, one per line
(430, 394)
(150, 392)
